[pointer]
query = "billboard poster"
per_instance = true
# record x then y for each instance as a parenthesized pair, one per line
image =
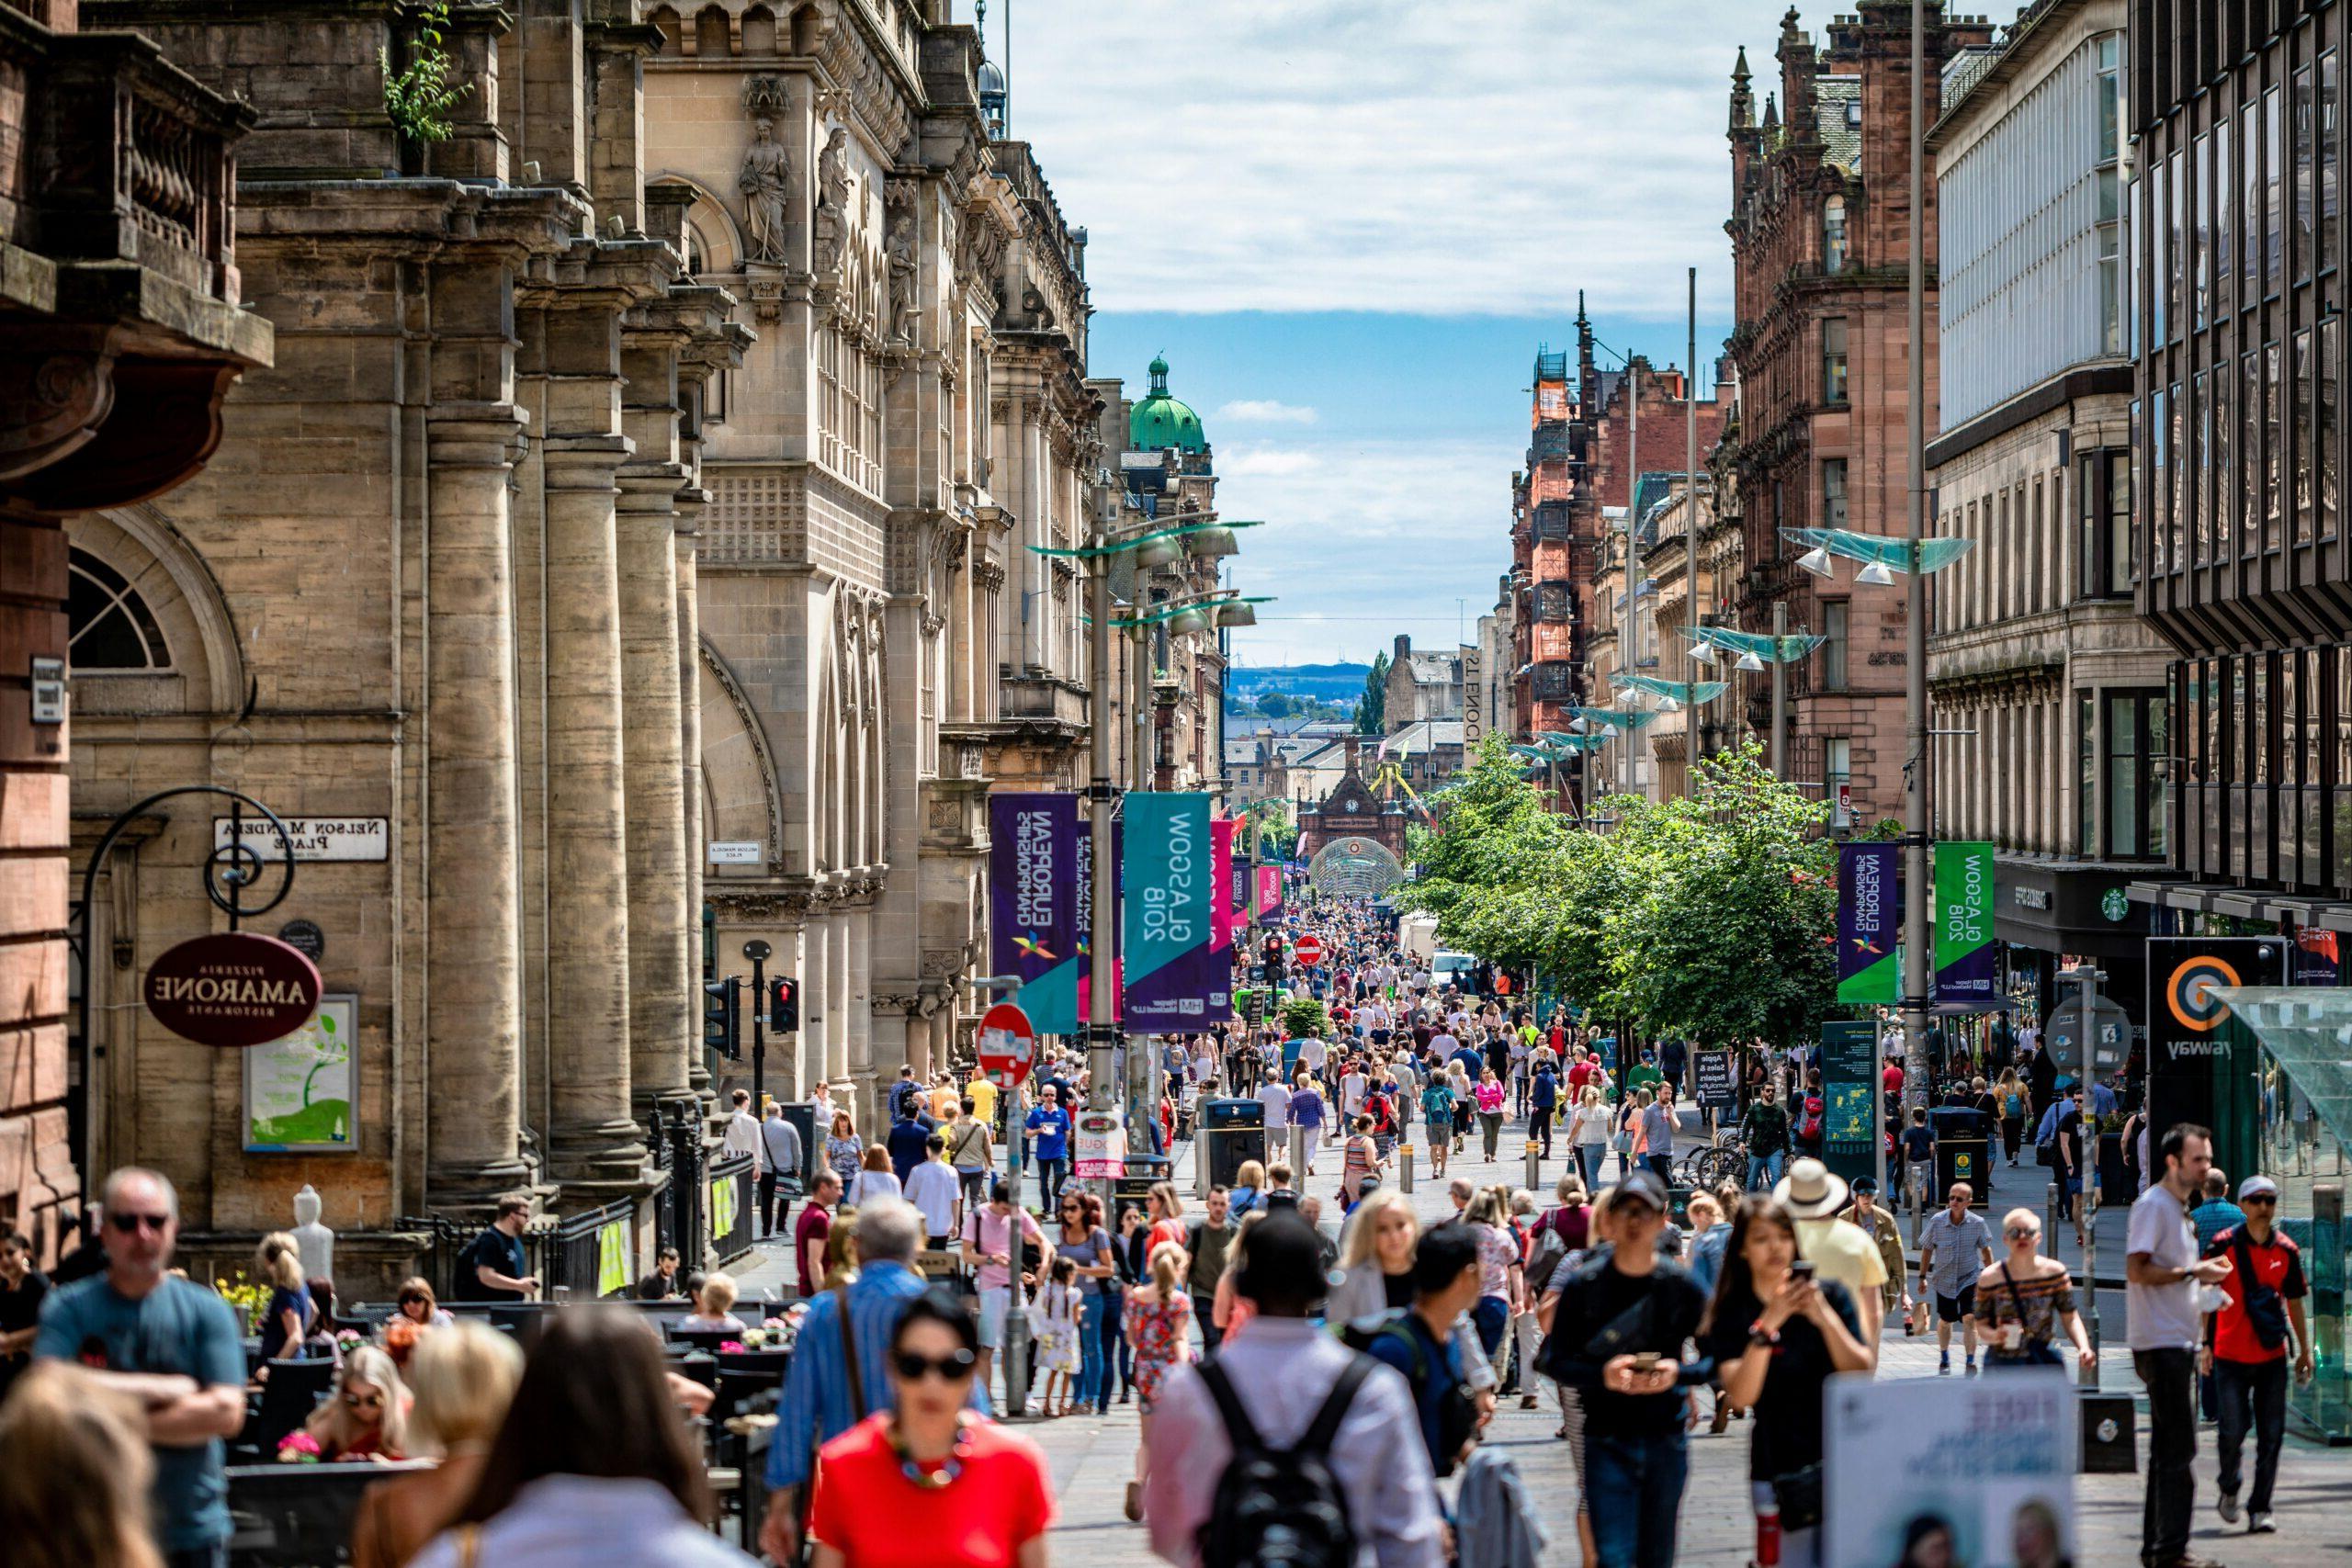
(1033, 902)
(2316, 958)
(2188, 1043)
(1921, 1470)
(1867, 916)
(302, 1092)
(1269, 893)
(1221, 906)
(1849, 1068)
(1175, 975)
(1963, 922)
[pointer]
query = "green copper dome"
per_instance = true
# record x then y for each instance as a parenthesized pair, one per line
(1161, 422)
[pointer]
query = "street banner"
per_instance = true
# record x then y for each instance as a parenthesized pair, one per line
(1926, 1470)
(2316, 958)
(1718, 1084)
(1848, 1078)
(1868, 914)
(2200, 1063)
(1175, 975)
(1963, 921)
(1034, 892)
(1270, 891)
(1221, 906)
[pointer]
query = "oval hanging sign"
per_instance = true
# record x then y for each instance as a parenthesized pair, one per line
(232, 989)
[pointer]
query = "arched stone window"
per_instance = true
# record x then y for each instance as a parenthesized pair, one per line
(110, 626)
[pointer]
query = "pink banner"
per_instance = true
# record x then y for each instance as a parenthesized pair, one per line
(1270, 891)
(1221, 881)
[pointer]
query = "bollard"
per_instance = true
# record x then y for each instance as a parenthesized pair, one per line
(2050, 1220)
(1404, 1167)
(1201, 1137)
(1535, 1170)
(1298, 1155)
(2088, 1376)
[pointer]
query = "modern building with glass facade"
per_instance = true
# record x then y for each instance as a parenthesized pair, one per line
(2238, 244)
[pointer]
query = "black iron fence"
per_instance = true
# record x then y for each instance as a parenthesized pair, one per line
(730, 1198)
(590, 1254)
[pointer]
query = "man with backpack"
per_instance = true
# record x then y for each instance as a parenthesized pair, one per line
(2246, 1347)
(1282, 1448)
(1419, 1342)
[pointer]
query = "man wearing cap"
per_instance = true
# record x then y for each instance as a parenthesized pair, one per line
(1617, 1337)
(1879, 1225)
(1280, 1369)
(1815, 1196)
(2264, 1288)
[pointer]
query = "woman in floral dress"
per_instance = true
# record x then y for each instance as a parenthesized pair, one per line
(1157, 1316)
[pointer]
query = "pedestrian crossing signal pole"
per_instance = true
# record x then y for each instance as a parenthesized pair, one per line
(1919, 961)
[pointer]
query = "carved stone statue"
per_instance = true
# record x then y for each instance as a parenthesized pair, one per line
(832, 202)
(902, 272)
(313, 1240)
(765, 183)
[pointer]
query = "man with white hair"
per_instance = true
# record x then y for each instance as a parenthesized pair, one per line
(168, 1346)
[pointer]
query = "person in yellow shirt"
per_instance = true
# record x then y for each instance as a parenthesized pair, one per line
(982, 1094)
(943, 1098)
(1836, 1249)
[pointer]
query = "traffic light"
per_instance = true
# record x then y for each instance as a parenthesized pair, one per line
(719, 1031)
(784, 1005)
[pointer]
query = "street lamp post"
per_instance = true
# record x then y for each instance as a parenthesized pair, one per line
(1917, 965)
(1690, 535)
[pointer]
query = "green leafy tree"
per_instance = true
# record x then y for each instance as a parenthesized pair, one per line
(1277, 704)
(1303, 1019)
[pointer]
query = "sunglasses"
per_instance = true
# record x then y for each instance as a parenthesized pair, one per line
(364, 1401)
(954, 1367)
(2269, 1198)
(130, 1223)
(2022, 1233)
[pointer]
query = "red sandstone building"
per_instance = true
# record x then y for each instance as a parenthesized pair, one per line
(1820, 249)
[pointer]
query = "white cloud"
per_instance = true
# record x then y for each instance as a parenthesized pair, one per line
(1487, 156)
(1266, 460)
(1263, 411)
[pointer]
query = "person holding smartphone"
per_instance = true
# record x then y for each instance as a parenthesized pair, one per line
(1777, 1333)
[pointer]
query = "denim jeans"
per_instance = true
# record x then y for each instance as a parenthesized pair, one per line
(1118, 1356)
(1662, 1166)
(1051, 1174)
(1205, 1319)
(2171, 1380)
(1636, 1488)
(2251, 1393)
(1764, 1170)
(1491, 1317)
(1589, 1158)
(1089, 1350)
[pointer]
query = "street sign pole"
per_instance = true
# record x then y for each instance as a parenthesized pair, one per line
(759, 952)
(1101, 796)
(1007, 1048)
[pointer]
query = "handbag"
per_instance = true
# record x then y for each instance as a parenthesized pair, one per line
(2038, 1352)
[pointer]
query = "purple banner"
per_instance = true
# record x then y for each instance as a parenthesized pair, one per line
(1035, 898)
(1868, 917)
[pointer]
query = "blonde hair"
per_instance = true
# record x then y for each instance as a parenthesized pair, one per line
(279, 1261)
(463, 1378)
(1168, 1261)
(1171, 1205)
(841, 1250)
(1591, 1095)
(1252, 1173)
(718, 1295)
(1703, 1200)
(2024, 1217)
(334, 1427)
(1490, 1207)
(1364, 1225)
(74, 1470)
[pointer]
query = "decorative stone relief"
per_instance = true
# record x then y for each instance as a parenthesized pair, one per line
(765, 177)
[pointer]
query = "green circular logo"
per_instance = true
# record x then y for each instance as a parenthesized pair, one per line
(2114, 905)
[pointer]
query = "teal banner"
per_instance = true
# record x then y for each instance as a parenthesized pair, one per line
(1849, 1070)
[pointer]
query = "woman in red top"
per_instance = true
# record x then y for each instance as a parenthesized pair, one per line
(933, 1485)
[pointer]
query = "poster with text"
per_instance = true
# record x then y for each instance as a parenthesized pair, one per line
(1269, 893)
(1963, 922)
(1034, 896)
(1978, 1471)
(302, 1091)
(1848, 1078)
(1174, 977)
(1867, 916)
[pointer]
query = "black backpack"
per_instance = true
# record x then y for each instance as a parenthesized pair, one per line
(1280, 1508)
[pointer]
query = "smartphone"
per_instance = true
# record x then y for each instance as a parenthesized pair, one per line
(1646, 1361)
(1801, 1269)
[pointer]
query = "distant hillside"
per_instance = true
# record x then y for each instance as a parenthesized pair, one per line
(1330, 683)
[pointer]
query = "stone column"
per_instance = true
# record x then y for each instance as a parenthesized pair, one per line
(859, 918)
(663, 925)
(838, 1004)
(819, 1004)
(473, 940)
(689, 624)
(596, 1140)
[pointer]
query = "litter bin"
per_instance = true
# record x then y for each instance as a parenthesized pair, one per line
(1129, 1190)
(1232, 1131)
(1964, 1153)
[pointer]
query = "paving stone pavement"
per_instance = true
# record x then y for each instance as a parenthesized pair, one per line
(1093, 1458)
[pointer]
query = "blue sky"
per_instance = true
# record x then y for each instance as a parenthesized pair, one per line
(1349, 224)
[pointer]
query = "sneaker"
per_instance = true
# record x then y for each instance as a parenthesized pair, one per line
(1134, 1509)
(2259, 1524)
(1972, 1366)
(2229, 1508)
(1943, 1365)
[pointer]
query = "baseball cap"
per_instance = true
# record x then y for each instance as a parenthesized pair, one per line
(2258, 1187)
(1866, 1186)
(1640, 1187)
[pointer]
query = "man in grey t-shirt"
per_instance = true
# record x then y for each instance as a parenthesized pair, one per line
(1954, 1246)
(2161, 1273)
(1657, 1133)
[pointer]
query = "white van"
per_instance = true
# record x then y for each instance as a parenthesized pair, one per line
(1456, 967)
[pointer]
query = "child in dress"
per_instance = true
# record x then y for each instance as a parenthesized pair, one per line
(1053, 1323)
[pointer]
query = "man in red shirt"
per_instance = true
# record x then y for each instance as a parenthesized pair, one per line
(810, 1231)
(1893, 1076)
(2245, 1346)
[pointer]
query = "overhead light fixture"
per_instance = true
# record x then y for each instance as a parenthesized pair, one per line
(1212, 542)
(1188, 620)
(1703, 653)
(1750, 664)
(1667, 705)
(1875, 574)
(1236, 614)
(1816, 561)
(1155, 553)
(1580, 725)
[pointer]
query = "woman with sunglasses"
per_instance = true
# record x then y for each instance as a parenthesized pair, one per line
(930, 1484)
(2024, 1299)
(367, 1415)
(1087, 1244)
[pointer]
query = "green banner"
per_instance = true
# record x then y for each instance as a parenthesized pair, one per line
(1963, 922)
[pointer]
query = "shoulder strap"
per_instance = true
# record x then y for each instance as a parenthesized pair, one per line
(849, 1354)
(469, 1545)
(1325, 1428)
(1239, 1428)
(2017, 1299)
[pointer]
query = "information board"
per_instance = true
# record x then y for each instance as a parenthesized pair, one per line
(1848, 1078)
(1718, 1083)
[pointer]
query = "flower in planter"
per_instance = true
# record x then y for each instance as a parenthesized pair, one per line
(298, 1448)
(727, 1347)
(754, 1339)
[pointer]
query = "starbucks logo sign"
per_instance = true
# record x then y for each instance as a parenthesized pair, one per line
(2114, 905)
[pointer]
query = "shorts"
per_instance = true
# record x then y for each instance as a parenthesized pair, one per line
(994, 1304)
(1952, 1309)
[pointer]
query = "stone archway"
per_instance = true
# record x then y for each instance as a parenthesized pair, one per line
(1356, 866)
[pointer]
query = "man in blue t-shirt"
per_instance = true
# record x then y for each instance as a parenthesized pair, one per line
(908, 1140)
(1049, 1125)
(168, 1344)
(1419, 1342)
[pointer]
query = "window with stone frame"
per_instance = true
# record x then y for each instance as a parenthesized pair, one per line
(1834, 253)
(109, 627)
(1833, 359)
(1833, 493)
